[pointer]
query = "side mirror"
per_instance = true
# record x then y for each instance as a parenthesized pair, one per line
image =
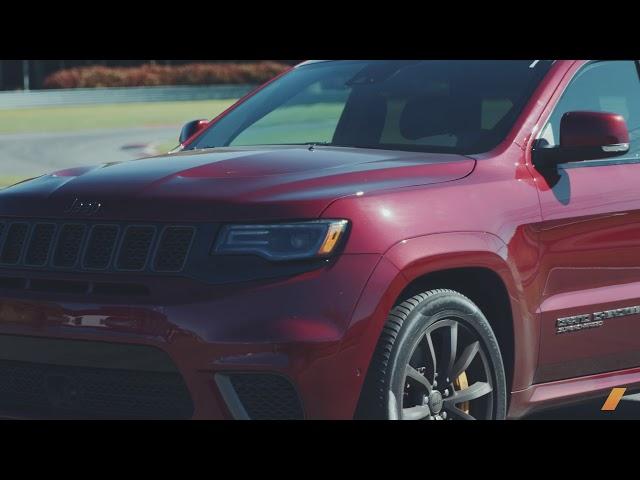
(585, 136)
(191, 128)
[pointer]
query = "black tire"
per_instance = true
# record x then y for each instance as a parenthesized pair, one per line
(416, 341)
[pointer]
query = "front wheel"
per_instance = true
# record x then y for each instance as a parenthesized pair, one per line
(437, 359)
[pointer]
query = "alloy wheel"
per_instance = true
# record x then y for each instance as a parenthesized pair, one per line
(448, 376)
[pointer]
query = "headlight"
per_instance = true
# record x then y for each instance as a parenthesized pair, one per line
(288, 241)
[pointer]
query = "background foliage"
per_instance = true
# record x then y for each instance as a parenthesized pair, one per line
(97, 76)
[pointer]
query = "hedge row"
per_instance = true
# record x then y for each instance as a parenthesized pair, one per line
(156, 75)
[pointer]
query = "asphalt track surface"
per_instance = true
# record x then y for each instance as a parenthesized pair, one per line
(628, 409)
(31, 154)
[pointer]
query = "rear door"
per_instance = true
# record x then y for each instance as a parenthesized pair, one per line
(590, 238)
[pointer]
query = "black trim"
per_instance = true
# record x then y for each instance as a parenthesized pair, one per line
(4, 228)
(67, 378)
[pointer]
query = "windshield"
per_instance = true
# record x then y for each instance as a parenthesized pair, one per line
(456, 106)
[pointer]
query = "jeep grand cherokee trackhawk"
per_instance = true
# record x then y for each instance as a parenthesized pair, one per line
(355, 239)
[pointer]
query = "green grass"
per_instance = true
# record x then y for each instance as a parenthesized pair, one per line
(294, 124)
(123, 115)
(165, 146)
(95, 117)
(6, 180)
(297, 124)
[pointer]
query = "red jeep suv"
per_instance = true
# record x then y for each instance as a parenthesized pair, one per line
(355, 239)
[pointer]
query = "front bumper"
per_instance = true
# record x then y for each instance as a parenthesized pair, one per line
(292, 329)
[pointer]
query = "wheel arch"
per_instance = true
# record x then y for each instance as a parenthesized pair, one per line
(485, 288)
(476, 265)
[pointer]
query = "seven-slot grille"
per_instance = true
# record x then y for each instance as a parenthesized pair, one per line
(94, 247)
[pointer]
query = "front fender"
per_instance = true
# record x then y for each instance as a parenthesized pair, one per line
(414, 258)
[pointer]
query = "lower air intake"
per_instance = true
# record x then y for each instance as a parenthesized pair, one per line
(78, 392)
(52, 378)
(264, 396)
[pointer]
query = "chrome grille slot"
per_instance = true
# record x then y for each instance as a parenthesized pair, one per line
(14, 242)
(135, 248)
(40, 245)
(69, 245)
(173, 248)
(100, 246)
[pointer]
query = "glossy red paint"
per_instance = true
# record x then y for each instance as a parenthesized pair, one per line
(412, 215)
(199, 127)
(274, 183)
(592, 129)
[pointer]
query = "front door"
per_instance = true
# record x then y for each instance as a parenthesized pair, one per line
(590, 238)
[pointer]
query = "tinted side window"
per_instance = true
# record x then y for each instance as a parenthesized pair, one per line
(611, 86)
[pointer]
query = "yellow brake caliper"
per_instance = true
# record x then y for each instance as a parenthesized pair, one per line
(461, 383)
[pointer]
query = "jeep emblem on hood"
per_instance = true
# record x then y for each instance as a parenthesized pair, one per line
(83, 207)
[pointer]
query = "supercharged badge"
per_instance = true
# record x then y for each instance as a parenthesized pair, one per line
(592, 320)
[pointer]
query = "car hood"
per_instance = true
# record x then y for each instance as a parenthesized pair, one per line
(229, 184)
